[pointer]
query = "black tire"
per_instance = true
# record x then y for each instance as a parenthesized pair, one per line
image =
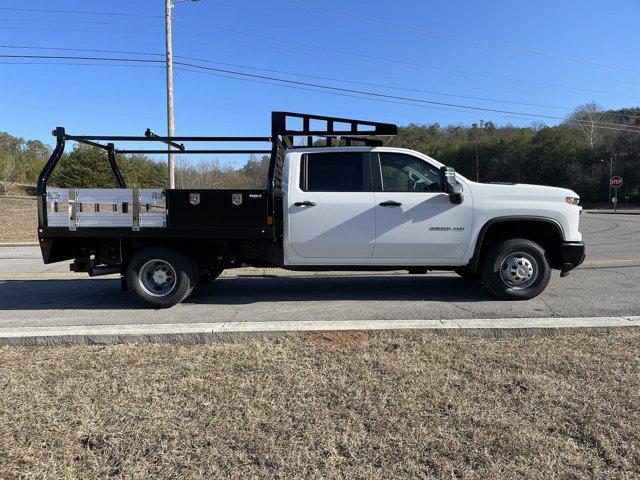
(467, 274)
(209, 276)
(516, 259)
(141, 277)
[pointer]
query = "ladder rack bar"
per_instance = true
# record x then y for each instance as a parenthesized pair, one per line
(149, 134)
(173, 139)
(197, 151)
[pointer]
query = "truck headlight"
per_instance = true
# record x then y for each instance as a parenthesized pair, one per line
(572, 200)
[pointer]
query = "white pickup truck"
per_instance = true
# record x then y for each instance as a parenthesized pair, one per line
(366, 207)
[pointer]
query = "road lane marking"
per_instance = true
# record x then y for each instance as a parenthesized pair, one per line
(612, 261)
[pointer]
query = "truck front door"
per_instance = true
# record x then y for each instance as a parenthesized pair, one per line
(329, 208)
(415, 219)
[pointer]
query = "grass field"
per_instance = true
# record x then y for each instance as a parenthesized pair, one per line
(18, 219)
(330, 405)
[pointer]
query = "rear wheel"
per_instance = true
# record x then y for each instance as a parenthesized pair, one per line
(161, 277)
(517, 269)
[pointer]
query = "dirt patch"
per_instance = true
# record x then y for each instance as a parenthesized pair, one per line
(19, 220)
(17, 189)
(391, 405)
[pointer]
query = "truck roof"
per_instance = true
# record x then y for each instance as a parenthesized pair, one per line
(405, 151)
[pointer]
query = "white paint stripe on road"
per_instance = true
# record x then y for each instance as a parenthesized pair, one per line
(178, 331)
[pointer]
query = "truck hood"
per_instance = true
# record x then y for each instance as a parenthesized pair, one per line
(521, 191)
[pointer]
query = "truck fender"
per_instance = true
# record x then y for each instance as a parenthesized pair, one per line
(473, 262)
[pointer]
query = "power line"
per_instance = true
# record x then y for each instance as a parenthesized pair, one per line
(456, 38)
(382, 95)
(361, 17)
(320, 77)
(620, 129)
(531, 52)
(79, 64)
(311, 76)
(33, 47)
(70, 57)
(331, 88)
(78, 12)
(298, 52)
(138, 33)
(66, 22)
(354, 82)
(413, 64)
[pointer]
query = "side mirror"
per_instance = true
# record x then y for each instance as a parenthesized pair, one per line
(451, 186)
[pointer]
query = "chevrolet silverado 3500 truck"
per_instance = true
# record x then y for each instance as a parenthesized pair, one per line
(342, 201)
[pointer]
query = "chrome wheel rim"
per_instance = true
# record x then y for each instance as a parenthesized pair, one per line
(157, 278)
(519, 270)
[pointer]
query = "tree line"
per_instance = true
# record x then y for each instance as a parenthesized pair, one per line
(579, 154)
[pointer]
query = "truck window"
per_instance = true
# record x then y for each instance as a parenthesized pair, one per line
(404, 173)
(333, 172)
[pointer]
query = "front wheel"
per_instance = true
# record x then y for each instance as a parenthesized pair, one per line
(161, 277)
(516, 269)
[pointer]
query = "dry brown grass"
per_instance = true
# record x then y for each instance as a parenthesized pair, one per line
(18, 220)
(355, 405)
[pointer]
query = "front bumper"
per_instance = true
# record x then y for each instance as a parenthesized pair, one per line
(573, 254)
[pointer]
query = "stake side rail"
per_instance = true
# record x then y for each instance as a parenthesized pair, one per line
(123, 203)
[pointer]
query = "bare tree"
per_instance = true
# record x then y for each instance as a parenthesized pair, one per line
(13, 170)
(537, 126)
(587, 119)
(208, 174)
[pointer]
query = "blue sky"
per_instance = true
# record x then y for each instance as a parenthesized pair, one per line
(489, 44)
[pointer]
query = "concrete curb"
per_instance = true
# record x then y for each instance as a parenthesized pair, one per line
(611, 212)
(206, 332)
(19, 245)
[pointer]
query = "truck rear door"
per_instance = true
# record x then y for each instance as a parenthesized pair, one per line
(330, 206)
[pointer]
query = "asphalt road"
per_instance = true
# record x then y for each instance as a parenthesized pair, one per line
(608, 284)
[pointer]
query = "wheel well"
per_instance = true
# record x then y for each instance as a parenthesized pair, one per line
(547, 234)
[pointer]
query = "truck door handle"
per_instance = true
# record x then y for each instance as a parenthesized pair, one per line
(306, 203)
(390, 203)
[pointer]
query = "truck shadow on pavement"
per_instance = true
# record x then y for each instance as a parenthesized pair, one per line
(99, 294)
(248, 289)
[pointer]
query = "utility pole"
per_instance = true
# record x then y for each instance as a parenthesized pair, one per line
(170, 120)
(171, 126)
(610, 175)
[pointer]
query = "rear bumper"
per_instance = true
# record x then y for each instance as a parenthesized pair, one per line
(573, 254)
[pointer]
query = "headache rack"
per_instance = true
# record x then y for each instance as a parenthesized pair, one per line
(137, 208)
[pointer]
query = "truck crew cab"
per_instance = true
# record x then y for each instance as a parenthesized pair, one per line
(342, 201)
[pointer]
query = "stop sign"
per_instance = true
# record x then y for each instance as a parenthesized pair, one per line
(616, 182)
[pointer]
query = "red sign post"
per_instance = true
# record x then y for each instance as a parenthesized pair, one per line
(616, 183)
